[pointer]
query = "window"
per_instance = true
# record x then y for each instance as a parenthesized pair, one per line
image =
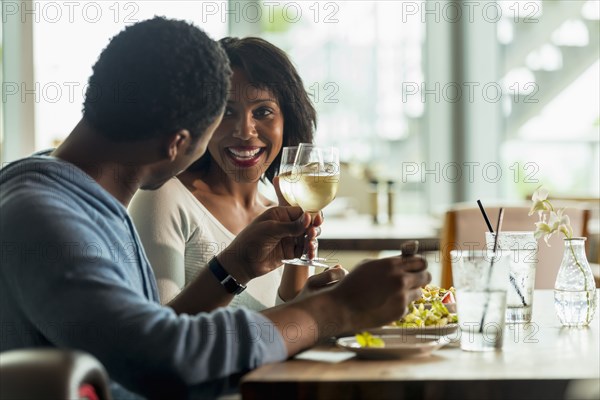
(371, 67)
(67, 39)
(362, 63)
(552, 115)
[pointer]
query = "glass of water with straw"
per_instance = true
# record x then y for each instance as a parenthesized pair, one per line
(481, 280)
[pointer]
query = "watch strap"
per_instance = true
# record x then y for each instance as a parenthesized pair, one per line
(228, 281)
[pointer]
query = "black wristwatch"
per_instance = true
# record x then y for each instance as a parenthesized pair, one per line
(228, 281)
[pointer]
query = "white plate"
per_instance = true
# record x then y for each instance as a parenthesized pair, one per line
(396, 346)
(425, 330)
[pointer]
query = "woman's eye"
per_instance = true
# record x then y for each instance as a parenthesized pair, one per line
(263, 112)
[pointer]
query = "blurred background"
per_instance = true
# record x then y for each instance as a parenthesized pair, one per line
(438, 101)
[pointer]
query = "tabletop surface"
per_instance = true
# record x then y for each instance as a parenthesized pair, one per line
(358, 232)
(539, 351)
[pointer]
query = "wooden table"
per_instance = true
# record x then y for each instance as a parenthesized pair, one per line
(538, 361)
(358, 233)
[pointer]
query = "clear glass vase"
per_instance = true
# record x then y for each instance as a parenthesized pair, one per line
(575, 289)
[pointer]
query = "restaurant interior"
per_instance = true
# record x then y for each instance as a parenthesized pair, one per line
(450, 118)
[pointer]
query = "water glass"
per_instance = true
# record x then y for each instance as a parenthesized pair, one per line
(481, 279)
(522, 248)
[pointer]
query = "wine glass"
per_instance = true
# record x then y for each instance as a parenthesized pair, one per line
(314, 180)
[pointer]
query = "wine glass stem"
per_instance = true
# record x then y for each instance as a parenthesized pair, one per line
(305, 256)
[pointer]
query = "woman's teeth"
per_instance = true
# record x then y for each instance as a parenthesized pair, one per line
(244, 153)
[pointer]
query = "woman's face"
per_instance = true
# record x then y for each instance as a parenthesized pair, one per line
(251, 133)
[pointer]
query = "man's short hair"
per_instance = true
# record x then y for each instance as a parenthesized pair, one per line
(155, 78)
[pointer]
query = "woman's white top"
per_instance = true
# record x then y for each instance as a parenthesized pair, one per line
(180, 236)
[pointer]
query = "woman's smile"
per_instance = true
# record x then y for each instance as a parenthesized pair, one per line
(245, 156)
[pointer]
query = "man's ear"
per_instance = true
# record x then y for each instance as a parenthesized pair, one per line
(177, 143)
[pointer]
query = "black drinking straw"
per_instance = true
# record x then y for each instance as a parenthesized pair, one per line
(485, 217)
(511, 276)
(498, 227)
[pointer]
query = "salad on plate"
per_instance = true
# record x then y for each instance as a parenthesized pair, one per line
(432, 309)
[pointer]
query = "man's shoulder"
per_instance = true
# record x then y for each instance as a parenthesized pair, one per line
(35, 180)
(40, 170)
(40, 190)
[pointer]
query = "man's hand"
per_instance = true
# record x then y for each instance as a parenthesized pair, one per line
(258, 249)
(399, 280)
(276, 234)
(317, 219)
(379, 291)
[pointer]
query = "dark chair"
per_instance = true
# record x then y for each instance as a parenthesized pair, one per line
(45, 373)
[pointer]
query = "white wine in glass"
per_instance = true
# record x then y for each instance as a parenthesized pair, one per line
(316, 185)
(315, 189)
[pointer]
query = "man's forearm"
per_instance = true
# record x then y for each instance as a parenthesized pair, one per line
(204, 294)
(304, 322)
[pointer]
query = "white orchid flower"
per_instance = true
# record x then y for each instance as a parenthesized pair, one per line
(558, 221)
(542, 229)
(554, 221)
(540, 201)
(564, 223)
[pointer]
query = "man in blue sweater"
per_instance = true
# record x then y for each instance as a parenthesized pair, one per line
(74, 275)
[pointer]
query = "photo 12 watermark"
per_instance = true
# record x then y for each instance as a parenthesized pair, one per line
(471, 11)
(55, 12)
(467, 171)
(469, 92)
(291, 12)
(69, 92)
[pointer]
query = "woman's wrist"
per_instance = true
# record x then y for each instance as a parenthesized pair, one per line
(293, 280)
(280, 299)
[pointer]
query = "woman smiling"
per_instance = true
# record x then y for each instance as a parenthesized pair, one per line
(195, 216)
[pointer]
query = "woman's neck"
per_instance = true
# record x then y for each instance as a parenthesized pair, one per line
(218, 183)
(234, 204)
